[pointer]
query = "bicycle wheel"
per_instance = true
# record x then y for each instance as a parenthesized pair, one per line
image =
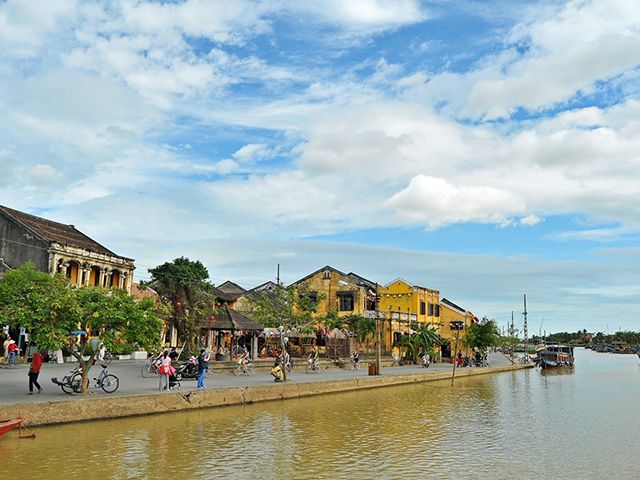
(308, 368)
(110, 383)
(67, 387)
(249, 369)
(76, 383)
(238, 370)
(147, 370)
(107, 358)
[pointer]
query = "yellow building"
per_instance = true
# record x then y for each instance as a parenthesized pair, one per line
(450, 312)
(403, 305)
(332, 290)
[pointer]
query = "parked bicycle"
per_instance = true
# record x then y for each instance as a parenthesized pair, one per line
(106, 381)
(72, 382)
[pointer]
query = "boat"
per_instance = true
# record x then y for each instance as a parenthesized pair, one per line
(8, 425)
(556, 356)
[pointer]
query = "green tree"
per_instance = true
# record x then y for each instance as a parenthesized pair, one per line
(482, 335)
(183, 284)
(283, 306)
(50, 311)
(30, 298)
(425, 340)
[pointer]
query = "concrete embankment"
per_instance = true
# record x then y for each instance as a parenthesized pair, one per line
(85, 409)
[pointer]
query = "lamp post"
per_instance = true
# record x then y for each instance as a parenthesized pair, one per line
(377, 331)
(457, 326)
(284, 352)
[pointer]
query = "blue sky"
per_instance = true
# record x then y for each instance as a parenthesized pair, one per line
(483, 148)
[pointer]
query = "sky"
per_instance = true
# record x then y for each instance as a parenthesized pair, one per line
(486, 149)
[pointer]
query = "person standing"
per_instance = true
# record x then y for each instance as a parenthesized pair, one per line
(165, 370)
(13, 350)
(34, 371)
(203, 366)
(5, 358)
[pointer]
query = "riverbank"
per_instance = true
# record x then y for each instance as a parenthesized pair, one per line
(75, 409)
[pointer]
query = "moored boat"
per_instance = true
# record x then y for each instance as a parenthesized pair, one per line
(555, 356)
(8, 425)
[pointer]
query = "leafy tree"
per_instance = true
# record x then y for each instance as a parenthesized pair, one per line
(183, 283)
(31, 298)
(283, 306)
(425, 340)
(50, 310)
(482, 335)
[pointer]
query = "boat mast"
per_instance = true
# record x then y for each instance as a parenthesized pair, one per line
(526, 340)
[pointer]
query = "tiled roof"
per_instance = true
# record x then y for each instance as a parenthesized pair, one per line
(56, 232)
(230, 287)
(229, 319)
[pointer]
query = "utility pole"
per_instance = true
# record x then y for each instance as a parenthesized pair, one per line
(377, 332)
(457, 326)
(283, 346)
(526, 332)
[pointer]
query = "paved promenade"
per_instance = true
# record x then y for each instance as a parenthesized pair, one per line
(14, 381)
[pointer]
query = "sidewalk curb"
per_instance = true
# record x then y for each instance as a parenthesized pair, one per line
(87, 408)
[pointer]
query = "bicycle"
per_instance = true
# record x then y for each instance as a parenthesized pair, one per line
(71, 382)
(106, 381)
(243, 369)
(150, 368)
(312, 366)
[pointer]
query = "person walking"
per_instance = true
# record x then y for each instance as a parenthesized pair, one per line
(5, 357)
(203, 366)
(165, 370)
(34, 371)
(13, 350)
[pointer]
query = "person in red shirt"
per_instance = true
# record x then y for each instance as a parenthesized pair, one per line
(13, 351)
(34, 371)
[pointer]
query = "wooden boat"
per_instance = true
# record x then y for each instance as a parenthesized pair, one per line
(556, 356)
(8, 425)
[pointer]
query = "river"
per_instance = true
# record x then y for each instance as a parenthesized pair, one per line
(522, 424)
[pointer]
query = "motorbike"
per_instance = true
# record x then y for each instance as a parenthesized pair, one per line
(426, 361)
(189, 369)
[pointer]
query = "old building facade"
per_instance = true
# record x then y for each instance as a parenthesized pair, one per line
(58, 248)
(334, 291)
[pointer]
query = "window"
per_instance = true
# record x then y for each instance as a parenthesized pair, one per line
(326, 274)
(423, 308)
(437, 308)
(346, 302)
(431, 309)
(312, 297)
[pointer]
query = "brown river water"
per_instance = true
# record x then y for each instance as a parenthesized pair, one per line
(520, 425)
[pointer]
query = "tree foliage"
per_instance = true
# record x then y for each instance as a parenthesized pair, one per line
(183, 284)
(50, 311)
(482, 335)
(283, 306)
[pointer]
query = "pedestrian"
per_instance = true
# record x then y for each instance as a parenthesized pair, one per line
(5, 358)
(34, 371)
(173, 354)
(165, 370)
(203, 366)
(13, 350)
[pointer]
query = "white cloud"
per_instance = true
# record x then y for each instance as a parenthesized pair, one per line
(567, 52)
(438, 202)
(43, 173)
(530, 220)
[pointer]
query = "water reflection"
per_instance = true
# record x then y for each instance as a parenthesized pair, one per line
(523, 424)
